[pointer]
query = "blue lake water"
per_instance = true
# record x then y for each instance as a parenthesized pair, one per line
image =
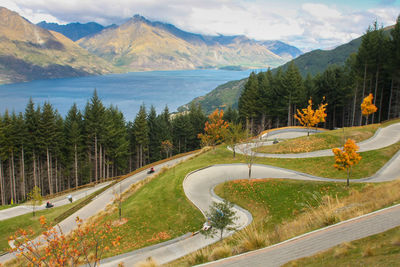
(127, 91)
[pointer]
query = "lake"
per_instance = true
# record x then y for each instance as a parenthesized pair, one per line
(127, 91)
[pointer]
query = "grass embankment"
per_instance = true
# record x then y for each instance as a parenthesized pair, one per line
(26, 221)
(370, 163)
(320, 141)
(8, 206)
(283, 209)
(377, 250)
(324, 140)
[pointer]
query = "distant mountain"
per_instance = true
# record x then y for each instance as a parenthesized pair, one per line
(75, 31)
(140, 44)
(28, 52)
(282, 49)
(318, 60)
(312, 62)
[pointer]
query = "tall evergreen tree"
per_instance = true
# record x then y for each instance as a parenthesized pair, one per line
(141, 132)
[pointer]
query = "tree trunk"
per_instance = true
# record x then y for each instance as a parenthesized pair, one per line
(48, 172)
(3, 199)
(348, 177)
(13, 177)
(364, 84)
(354, 105)
(390, 99)
(289, 109)
(380, 106)
(22, 163)
(76, 166)
(104, 163)
(34, 169)
(101, 162)
(56, 178)
(376, 90)
(11, 181)
(95, 158)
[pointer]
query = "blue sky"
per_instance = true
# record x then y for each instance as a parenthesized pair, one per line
(307, 24)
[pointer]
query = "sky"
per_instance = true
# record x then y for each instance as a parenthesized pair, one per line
(306, 24)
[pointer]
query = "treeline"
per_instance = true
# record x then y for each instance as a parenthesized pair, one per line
(271, 99)
(40, 148)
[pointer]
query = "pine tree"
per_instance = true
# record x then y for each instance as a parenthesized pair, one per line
(154, 135)
(141, 132)
(74, 140)
(292, 90)
(249, 100)
(94, 126)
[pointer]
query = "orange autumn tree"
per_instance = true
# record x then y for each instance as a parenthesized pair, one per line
(320, 113)
(345, 159)
(85, 245)
(309, 117)
(214, 129)
(367, 107)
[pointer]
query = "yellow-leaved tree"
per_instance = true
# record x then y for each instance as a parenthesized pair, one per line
(345, 159)
(367, 107)
(308, 117)
(214, 130)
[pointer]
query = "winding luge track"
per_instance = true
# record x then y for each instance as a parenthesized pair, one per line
(198, 187)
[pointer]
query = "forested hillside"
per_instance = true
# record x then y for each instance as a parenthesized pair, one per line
(40, 148)
(271, 99)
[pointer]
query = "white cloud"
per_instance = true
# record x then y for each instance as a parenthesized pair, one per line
(303, 24)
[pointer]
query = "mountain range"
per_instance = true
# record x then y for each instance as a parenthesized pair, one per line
(50, 50)
(29, 52)
(140, 44)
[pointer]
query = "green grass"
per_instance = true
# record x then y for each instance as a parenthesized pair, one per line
(370, 163)
(378, 250)
(324, 140)
(26, 221)
(8, 206)
(279, 200)
(320, 141)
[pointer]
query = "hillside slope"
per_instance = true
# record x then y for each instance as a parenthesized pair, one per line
(140, 44)
(312, 62)
(28, 52)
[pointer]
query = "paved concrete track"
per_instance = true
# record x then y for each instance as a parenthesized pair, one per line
(57, 201)
(316, 241)
(382, 138)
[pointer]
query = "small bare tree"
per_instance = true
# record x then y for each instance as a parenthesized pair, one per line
(36, 199)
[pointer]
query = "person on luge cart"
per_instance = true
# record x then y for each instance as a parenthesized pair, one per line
(49, 205)
(151, 170)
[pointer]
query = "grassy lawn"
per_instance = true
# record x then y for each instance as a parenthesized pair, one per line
(370, 163)
(8, 206)
(275, 200)
(378, 250)
(26, 221)
(319, 141)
